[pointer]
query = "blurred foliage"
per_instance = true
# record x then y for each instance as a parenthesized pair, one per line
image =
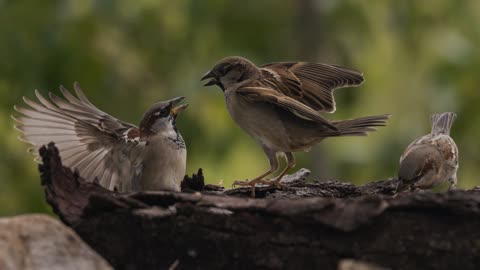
(419, 57)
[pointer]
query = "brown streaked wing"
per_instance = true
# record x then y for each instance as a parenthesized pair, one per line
(261, 94)
(315, 82)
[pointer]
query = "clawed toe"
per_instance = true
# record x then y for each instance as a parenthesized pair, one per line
(242, 183)
(279, 185)
(246, 183)
(253, 183)
(274, 182)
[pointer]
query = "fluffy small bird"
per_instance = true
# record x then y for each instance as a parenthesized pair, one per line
(279, 105)
(431, 159)
(119, 155)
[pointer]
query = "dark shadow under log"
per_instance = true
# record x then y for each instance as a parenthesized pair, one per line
(306, 226)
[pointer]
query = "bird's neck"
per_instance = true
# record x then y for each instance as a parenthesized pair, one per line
(240, 84)
(172, 138)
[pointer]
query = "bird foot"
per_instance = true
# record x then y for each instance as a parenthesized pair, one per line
(252, 184)
(243, 183)
(247, 183)
(275, 182)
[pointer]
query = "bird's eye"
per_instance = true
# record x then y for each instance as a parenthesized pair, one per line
(226, 69)
(161, 113)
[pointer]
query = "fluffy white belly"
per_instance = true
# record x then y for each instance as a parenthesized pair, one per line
(164, 170)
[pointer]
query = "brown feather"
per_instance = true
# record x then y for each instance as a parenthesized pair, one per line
(260, 94)
(309, 83)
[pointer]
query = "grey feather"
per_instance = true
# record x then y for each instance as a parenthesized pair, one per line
(442, 122)
(74, 125)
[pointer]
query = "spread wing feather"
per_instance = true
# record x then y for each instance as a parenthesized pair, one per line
(89, 140)
(310, 83)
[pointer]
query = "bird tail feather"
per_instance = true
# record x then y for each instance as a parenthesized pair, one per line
(442, 122)
(360, 126)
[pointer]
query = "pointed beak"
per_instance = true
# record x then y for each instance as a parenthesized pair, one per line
(175, 101)
(209, 75)
(177, 109)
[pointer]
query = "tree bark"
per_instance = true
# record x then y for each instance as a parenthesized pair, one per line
(305, 226)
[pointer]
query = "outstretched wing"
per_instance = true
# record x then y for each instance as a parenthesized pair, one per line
(310, 83)
(89, 140)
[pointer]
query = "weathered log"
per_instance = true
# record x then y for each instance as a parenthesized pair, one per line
(305, 226)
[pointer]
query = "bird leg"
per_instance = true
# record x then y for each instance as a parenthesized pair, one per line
(290, 164)
(253, 182)
(272, 158)
(258, 179)
(275, 182)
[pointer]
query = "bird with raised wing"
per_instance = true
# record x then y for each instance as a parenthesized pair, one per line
(119, 155)
(279, 105)
(431, 159)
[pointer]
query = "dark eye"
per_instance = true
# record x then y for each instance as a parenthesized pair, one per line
(226, 69)
(162, 113)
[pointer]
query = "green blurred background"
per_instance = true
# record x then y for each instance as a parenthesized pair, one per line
(419, 57)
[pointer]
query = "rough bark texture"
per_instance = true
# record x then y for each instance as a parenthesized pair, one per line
(40, 242)
(306, 226)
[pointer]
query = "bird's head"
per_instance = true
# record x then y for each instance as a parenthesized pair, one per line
(230, 71)
(160, 118)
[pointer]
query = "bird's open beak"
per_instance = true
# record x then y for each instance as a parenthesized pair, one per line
(208, 75)
(177, 109)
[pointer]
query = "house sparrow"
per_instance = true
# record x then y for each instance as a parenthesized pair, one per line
(119, 155)
(430, 159)
(278, 104)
